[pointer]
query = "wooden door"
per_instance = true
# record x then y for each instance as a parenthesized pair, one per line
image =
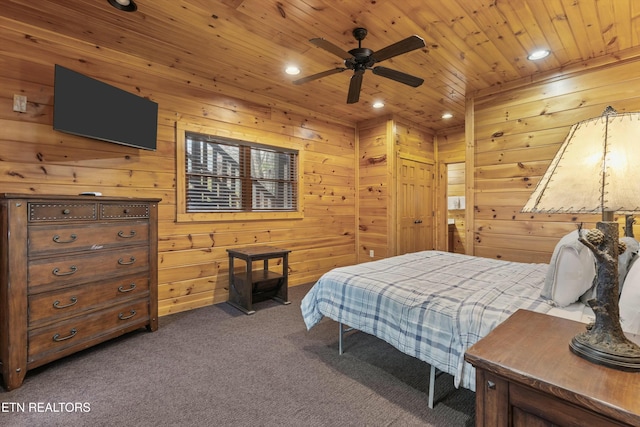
(415, 206)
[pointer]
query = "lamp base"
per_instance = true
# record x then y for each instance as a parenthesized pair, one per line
(624, 356)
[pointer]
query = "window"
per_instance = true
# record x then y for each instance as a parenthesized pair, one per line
(223, 175)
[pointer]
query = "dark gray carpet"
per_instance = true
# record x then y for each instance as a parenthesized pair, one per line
(217, 366)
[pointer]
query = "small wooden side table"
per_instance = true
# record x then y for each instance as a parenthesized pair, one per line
(258, 285)
(526, 375)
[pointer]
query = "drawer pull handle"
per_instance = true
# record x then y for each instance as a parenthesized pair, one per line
(121, 316)
(132, 233)
(72, 333)
(123, 262)
(126, 210)
(123, 290)
(72, 239)
(73, 300)
(72, 269)
(66, 211)
(491, 385)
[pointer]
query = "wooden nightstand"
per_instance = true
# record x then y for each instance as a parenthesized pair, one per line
(526, 375)
(253, 286)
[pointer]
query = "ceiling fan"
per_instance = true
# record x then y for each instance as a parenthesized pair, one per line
(361, 59)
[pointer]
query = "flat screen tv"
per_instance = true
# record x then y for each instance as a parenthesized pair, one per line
(88, 107)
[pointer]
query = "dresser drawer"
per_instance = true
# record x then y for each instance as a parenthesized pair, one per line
(58, 305)
(44, 212)
(57, 238)
(75, 333)
(50, 273)
(124, 210)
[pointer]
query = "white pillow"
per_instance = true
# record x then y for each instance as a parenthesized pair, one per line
(626, 259)
(571, 271)
(630, 300)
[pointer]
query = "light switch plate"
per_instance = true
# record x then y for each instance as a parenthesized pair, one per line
(20, 103)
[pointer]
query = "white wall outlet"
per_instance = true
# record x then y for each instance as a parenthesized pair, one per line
(371, 253)
(20, 103)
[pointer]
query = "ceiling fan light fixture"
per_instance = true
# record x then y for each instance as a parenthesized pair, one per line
(538, 54)
(124, 5)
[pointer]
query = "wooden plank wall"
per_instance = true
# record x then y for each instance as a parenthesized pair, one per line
(517, 132)
(379, 141)
(413, 140)
(374, 194)
(193, 268)
(342, 192)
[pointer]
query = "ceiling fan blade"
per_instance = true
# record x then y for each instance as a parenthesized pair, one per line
(318, 76)
(354, 87)
(398, 48)
(398, 76)
(330, 47)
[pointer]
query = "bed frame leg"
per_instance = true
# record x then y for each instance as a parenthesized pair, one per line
(341, 335)
(432, 385)
(432, 373)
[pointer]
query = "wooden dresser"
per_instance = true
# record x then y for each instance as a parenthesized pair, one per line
(526, 375)
(76, 271)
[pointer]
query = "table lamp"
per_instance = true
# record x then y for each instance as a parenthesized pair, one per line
(595, 171)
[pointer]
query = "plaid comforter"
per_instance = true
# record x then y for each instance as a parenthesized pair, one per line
(431, 305)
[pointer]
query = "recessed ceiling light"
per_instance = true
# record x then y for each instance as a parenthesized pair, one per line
(538, 54)
(126, 5)
(292, 70)
(447, 115)
(378, 104)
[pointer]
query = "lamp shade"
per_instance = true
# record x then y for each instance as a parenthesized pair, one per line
(596, 170)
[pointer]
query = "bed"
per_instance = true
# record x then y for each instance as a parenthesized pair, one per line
(432, 305)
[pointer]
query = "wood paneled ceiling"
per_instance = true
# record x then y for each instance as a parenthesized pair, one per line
(241, 47)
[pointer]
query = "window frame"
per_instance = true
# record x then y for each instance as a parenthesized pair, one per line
(181, 197)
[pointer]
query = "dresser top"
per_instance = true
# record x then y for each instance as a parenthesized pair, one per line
(76, 197)
(533, 349)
